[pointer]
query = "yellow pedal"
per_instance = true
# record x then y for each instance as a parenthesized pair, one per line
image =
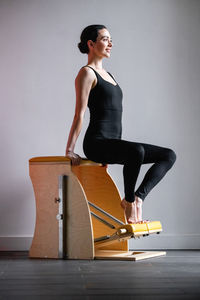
(154, 226)
(134, 229)
(140, 229)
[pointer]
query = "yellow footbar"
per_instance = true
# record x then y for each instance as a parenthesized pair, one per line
(140, 229)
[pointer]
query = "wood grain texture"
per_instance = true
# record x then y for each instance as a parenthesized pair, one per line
(88, 181)
(45, 243)
(101, 190)
(127, 255)
(80, 243)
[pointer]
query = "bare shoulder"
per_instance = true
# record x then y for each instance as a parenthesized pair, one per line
(85, 74)
(85, 77)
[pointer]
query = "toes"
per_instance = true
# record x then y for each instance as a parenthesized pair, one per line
(131, 222)
(143, 221)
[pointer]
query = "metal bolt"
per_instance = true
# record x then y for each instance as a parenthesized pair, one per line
(59, 217)
(57, 200)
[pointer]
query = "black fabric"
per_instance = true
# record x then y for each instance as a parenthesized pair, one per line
(102, 142)
(105, 105)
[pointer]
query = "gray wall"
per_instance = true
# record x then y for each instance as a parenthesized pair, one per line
(156, 61)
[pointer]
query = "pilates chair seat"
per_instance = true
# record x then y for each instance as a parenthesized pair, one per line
(62, 159)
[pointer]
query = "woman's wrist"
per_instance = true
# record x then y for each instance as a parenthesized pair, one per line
(69, 151)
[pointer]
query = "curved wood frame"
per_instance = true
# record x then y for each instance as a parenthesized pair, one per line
(101, 190)
(88, 181)
(44, 173)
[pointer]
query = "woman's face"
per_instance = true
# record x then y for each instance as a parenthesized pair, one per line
(103, 44)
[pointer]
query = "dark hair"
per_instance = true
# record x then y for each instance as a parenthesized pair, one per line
(89, 33)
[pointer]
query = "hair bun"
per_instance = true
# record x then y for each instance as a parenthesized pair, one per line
(83, 48)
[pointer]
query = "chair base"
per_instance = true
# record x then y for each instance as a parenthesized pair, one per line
(126, 255)
(67, 199)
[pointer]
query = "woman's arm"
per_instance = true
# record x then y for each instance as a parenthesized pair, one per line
(83, 84)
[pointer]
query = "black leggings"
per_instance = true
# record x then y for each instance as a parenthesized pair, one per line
(132, 155)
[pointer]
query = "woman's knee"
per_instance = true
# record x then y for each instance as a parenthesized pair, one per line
(171, 156)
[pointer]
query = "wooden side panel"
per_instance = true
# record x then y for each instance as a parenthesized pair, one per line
(79, 224)
(101, 190)
(44, 178)
(45, 243)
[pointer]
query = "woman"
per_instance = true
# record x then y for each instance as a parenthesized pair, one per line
(98, 89)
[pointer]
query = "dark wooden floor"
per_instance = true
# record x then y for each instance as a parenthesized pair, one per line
(175, 276)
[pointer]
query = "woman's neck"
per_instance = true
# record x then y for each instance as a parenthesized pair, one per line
(95, 62)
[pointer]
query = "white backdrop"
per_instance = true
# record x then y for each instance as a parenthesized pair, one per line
(156, 61)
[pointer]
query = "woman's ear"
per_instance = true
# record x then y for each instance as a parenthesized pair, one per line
(90, 44)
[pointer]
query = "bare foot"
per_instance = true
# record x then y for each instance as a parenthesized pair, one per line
(130, 211)
(133, 211)
(139, 208)
(139, 203)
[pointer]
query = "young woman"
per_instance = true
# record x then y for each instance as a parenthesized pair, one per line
(98, 89)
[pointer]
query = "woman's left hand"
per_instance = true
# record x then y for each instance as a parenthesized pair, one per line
(75, 158)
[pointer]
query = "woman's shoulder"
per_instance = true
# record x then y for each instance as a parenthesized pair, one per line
(85, 70)
(85, 74)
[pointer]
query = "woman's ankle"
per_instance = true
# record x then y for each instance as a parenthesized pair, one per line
(127, 202)
(138, 198)
(130, 204)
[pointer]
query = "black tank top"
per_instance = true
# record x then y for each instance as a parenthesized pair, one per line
(105, 105)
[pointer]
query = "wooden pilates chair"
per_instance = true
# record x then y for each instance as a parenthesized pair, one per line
(78, 213)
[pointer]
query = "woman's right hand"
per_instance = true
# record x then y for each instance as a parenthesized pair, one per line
(75, 158)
